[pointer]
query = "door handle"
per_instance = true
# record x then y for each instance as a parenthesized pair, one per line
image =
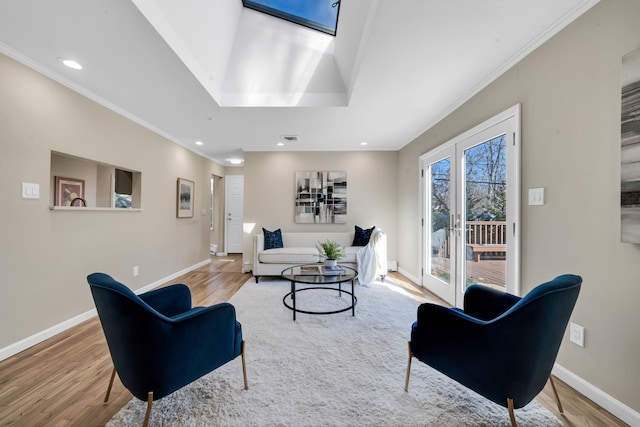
(456, 226)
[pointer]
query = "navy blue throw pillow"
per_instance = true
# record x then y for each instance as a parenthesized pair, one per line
(272, 239)
(361, 236)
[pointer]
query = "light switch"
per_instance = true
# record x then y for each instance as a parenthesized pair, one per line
(536, 196)
(30, 191)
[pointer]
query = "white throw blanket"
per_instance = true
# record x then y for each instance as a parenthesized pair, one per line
(372, 259)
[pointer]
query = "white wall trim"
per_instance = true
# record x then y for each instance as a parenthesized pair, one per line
(606, 401)
(36, 66)
(37, 338)
(546, 34)
(409, 276)
(41, 336)
(172, 276)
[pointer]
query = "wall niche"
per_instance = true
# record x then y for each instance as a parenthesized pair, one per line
(79, 183)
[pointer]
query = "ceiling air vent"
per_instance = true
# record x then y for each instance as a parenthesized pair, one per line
(289, 138)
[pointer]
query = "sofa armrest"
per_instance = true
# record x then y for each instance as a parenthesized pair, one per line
(258, 246)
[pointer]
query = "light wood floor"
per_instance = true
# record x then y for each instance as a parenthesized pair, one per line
(62, 381)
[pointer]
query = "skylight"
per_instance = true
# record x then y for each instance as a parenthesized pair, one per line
(321, 15)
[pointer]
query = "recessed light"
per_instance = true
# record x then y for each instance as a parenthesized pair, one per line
(235, 161)
(199, 143)
(280, 144)
(363, 143)
(70, 63)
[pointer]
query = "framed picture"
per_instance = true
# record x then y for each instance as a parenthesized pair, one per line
(69, 192)
(185, 198)
(630, 150)
(321, 197)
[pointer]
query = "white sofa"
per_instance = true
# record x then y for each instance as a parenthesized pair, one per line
(300, 248)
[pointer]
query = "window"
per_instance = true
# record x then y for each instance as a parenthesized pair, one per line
(321, 15)
(124, 189)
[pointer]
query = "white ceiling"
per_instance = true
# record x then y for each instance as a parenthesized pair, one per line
(238, 80)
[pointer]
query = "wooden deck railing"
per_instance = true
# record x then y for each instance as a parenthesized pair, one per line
(486, 232)
(481, 237)
(487, 237)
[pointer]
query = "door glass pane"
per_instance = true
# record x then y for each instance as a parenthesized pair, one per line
(485, 213)
(440, 216)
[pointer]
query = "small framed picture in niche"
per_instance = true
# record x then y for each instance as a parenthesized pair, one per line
(69, 192)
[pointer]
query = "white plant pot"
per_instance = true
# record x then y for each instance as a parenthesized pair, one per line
(331, 263)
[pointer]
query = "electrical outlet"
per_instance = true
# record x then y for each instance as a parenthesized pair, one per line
(135, 270)
(576, 334)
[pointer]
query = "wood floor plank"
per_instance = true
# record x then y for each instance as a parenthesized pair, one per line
(61, 382)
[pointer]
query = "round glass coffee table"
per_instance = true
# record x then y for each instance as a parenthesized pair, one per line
(321, 278)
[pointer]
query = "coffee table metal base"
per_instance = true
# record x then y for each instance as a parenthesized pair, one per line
(339, 289)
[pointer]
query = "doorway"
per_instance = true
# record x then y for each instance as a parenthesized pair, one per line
(234, 213)
(470, 200)
(216, 214)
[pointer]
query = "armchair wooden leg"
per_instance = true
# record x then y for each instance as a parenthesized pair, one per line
(113, 375)
(512, 415)
(244, 368)
(406, 379)
(553, 385)
(145, 423)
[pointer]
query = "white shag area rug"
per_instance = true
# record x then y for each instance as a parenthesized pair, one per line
(332, 370)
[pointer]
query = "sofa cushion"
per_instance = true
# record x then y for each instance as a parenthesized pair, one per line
(289, 256)
(350, 254)
(272, 239)
(362, 236)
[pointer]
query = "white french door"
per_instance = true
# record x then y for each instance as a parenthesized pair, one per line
(439, 223)
(470, 198)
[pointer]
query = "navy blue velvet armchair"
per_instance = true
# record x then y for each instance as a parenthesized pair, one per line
(501, 346)
(158, 342)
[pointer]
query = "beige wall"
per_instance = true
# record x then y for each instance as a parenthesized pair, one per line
(270, 191)
(45, 255)
(570, 94)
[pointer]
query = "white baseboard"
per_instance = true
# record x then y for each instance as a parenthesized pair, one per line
(172, 276)
(37, 338)
(247, 267)
(606, 401)
(408, 275)
(17, 347)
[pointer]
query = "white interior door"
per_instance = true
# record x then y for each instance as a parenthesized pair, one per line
(471, 199)
(234, 213)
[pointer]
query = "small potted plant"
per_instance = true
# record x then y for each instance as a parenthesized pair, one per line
(331, 251)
